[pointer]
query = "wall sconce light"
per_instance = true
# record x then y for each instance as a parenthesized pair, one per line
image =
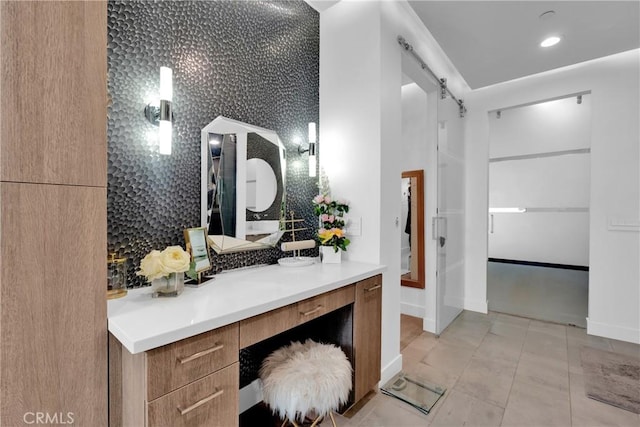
(161, 115)
(311, 149)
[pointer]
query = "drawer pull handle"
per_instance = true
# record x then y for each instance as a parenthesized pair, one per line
(310, 312)
(200, 402)
(198, 355)
(373, 288)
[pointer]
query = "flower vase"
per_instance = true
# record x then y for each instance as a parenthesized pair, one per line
(168, 286)
(329, 256)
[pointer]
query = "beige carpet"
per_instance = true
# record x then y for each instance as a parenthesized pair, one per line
(612, 378)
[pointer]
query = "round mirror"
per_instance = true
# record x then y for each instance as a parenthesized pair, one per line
(262, 185)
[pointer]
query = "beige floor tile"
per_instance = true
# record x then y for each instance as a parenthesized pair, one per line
(624, 347)
(514, 320)
(547, 388)
(488, 380)
(443, 378)
(372, 401)
(340, 421)
(544, 371)
(535, 405)
(509, 330)
(425, 342)
(586, 412)
(579, 336)
(475, 316)
(391, 412)
(500, 347)
(411, 356)
(467, 332)
(545, 344)
(410, 328)
(460, 409)
(548, 328)
(450, 357)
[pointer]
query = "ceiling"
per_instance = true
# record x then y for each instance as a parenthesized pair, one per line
(494, 41)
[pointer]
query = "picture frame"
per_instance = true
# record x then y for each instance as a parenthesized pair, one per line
(196, 243)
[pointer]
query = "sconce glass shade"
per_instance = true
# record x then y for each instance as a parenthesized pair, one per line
(166, 95)
(312, 165)
(312, 133)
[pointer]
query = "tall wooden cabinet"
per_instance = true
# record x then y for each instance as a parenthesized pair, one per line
(367, 319)
(53, 213)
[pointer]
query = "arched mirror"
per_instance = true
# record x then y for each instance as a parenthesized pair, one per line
(243, 185)
(412, 237)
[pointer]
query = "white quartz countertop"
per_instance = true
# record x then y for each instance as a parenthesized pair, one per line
(142, 323)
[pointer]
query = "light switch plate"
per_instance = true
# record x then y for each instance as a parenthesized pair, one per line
(354, 226)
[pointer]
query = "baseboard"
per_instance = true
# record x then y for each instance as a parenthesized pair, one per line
(412, 309)
(481, 306)
(390, 370)
(612, 331)
(429, 325)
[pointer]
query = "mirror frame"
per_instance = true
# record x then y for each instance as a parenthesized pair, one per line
(227, 244)
(417, 212)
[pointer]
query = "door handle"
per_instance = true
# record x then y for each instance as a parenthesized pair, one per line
(491, 223)
(433, 228)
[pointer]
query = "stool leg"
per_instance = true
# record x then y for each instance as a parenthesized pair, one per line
(315, 423)
(333, 421)
(287, 420)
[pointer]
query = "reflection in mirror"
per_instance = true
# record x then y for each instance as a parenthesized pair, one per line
(243, 185)
(262, 186)
(412, 239)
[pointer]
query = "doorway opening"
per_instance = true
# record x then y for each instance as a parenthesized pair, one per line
(539, 186)
(417, 145)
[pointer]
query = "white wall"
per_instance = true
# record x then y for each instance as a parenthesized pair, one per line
(360, 108)
(614, 83)
(540, 161)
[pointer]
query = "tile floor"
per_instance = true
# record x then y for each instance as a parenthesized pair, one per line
(500, 370)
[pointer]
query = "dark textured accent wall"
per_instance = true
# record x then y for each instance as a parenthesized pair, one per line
(253, 61)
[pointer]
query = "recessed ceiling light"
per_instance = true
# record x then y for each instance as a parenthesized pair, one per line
(550, 41)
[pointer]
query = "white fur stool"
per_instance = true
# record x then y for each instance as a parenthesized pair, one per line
(299, 379)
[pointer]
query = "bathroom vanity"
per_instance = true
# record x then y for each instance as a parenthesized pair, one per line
(178, 361)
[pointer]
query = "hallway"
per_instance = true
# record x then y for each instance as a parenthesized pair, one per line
(544, 293)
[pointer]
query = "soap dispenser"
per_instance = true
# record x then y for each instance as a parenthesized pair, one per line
(116, 277)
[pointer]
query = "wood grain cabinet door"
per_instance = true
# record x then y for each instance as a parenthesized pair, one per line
(211, 401)
(367, 329)
(175, 365)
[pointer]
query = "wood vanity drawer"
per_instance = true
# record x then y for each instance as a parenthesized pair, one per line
(175, 365)
(210, 401)
(322, 304)
(263, 326)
